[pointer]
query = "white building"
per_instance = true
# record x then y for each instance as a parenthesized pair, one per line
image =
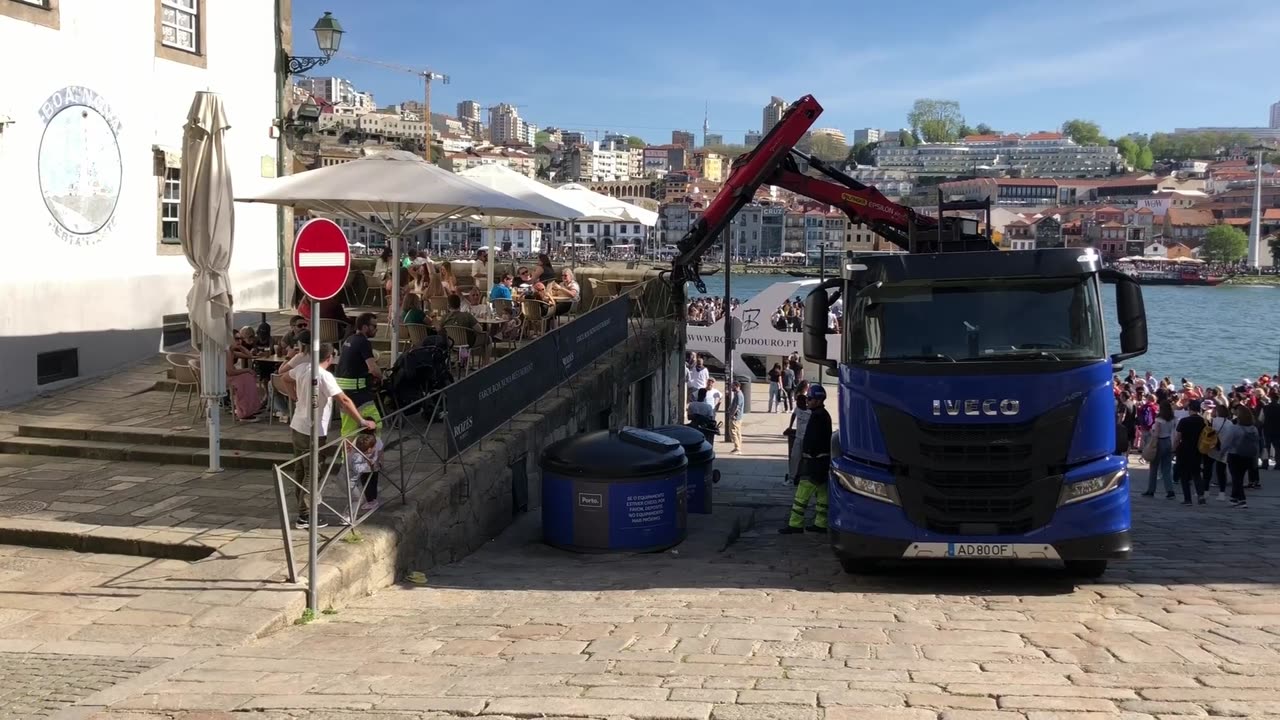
(507, 128)
(519, 239)
(866, 136)
(333, 90)
(772, 114)
(1275, 116)
(89, 171)
(1045, 155)
(835, 134)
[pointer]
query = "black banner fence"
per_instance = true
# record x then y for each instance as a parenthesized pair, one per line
(481, 402)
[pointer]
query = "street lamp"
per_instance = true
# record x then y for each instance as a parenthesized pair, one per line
(328, 37)
(1255, 224)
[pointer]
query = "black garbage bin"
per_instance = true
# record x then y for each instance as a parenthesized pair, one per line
(614, 491)
(701, 455)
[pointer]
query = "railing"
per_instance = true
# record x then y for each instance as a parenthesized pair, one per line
(421, 439)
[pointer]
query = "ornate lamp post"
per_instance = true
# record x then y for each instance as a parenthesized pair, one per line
(328, 37)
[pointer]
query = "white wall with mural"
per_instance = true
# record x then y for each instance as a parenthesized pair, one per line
(89, 113)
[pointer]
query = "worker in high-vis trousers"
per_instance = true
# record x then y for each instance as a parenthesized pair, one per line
(815, 466)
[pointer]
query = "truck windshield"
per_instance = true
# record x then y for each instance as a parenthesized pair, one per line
(1000, 319)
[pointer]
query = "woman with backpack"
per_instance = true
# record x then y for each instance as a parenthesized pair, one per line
(1159, 451)
(1215, 461)
(1243, 444)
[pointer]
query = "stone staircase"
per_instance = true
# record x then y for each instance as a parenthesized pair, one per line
(142, 444)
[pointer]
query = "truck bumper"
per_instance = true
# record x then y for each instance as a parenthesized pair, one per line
(1096, 529)
(1111, 546)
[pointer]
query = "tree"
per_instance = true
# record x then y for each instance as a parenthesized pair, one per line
(1128, 150)
(730, 151)
(965, 131)
(541, 137)
(1273, 243)
(826, 147)
(1224, 244)
(1201, 145)
(984, 129)
(1083, 132)
(635, 141)
(1145, 158)
(935, 120)
(862, 153)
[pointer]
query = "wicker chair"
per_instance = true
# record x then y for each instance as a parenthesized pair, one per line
(375, 289)
(536, 314)
(459, 337)
(332, 331)
(184, 377)
(413, 333)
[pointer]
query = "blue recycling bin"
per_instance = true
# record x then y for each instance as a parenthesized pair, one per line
(700, 454)
(610, 491)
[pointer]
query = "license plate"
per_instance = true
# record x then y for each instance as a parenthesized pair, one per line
(982, 551)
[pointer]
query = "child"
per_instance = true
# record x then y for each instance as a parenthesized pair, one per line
(363, 462)
(815, 466)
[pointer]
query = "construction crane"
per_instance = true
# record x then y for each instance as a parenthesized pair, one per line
(427, 76)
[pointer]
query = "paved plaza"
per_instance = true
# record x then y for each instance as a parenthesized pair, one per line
(739, 623)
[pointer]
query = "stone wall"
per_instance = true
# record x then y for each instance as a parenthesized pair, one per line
(454, 515)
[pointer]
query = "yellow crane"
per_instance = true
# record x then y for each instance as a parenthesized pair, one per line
(427, 76)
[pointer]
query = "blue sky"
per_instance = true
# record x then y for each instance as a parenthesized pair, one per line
(647, 68)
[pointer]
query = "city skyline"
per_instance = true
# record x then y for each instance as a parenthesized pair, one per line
(994, 62)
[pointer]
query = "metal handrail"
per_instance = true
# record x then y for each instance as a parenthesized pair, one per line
(411, 440)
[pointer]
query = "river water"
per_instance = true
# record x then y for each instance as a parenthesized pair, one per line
(1209, 335)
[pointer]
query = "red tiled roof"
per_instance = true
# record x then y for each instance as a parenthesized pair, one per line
(1044, 136)
(1237, 221)
(1190, 217)
(1027, 182)
(1271, 214)
(1145, 211)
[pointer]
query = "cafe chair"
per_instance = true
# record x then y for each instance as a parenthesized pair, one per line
(184, 377)
(332, 331)
(460, 338)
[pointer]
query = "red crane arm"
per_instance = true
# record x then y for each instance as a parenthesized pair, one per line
(772, 162)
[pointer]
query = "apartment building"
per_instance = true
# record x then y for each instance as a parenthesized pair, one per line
(1043, 155)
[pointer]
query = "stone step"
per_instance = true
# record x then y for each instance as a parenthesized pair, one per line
(269, 439)
(131, 452)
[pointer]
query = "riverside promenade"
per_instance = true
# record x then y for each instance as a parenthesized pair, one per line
(739, 623)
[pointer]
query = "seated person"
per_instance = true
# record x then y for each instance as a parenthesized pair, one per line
(413, 314)
(473, 302)
(456, 317)
(502, 290)
(297, 325)
(245, 345)
(523, 279)
(565, 292)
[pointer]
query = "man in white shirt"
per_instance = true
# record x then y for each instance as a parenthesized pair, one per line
(714, 396)
(327, 391)
(698, 378)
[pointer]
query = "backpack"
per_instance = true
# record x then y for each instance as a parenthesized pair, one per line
(1146, 416)
(1248, 447)
(1208, 439)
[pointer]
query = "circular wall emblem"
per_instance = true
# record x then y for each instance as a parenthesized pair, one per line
(80, 163)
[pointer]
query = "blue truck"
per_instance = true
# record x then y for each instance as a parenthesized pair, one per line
(975, 404)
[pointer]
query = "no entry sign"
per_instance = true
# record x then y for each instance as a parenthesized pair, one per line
(321, 259)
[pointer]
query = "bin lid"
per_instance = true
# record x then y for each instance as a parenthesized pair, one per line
(696, 447)
(622, 455)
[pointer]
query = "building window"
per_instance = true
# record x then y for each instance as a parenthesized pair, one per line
(170, 206)
(179, 30)
(178, 24)
(36, 12)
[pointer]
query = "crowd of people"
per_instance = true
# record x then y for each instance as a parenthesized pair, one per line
(1198, 435)
(708, 309)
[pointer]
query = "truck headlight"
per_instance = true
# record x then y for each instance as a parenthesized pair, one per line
(866, 487)
(1074, 492)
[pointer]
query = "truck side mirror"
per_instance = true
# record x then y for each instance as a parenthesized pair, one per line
(817, 306)
(1132, 314)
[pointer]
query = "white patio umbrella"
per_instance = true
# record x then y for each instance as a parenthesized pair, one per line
(549, 201)
(394, 192)
(206, 228)
(623, 211)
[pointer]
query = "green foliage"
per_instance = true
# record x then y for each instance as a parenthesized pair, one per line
(984, 129)
(308, 616)
(635, 141)
(826, 147)
(727, 150)
(1145, 158)
(1083, 132)
(1273, 243)
(1128, 150)
(908, 139)
(541, 137)
(935, 120)
(1202, 146)
(862, 153)
(965, 131)
(1224, 244)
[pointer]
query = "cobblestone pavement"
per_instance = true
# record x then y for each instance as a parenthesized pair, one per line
(768, 628)
(36, 685)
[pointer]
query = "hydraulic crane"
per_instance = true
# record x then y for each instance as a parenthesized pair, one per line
(774, 162)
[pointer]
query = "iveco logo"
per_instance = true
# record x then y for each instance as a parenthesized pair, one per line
(976, 407)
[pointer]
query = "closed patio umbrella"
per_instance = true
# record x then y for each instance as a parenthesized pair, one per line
(206, 228)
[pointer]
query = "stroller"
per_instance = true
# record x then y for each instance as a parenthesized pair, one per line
(707, 426)
(420, 371)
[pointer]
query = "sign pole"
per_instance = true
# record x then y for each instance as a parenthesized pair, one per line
(312, 477)
(728, 331)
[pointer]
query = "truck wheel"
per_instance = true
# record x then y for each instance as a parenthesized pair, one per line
(859, 566)
(1090, 569)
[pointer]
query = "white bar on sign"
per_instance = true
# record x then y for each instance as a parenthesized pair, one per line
(322, 259)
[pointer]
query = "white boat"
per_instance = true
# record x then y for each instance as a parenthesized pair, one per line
(758, 344)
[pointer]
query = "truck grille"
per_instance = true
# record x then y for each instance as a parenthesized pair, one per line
(979, 478)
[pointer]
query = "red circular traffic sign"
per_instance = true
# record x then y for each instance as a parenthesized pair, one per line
(321, 258)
